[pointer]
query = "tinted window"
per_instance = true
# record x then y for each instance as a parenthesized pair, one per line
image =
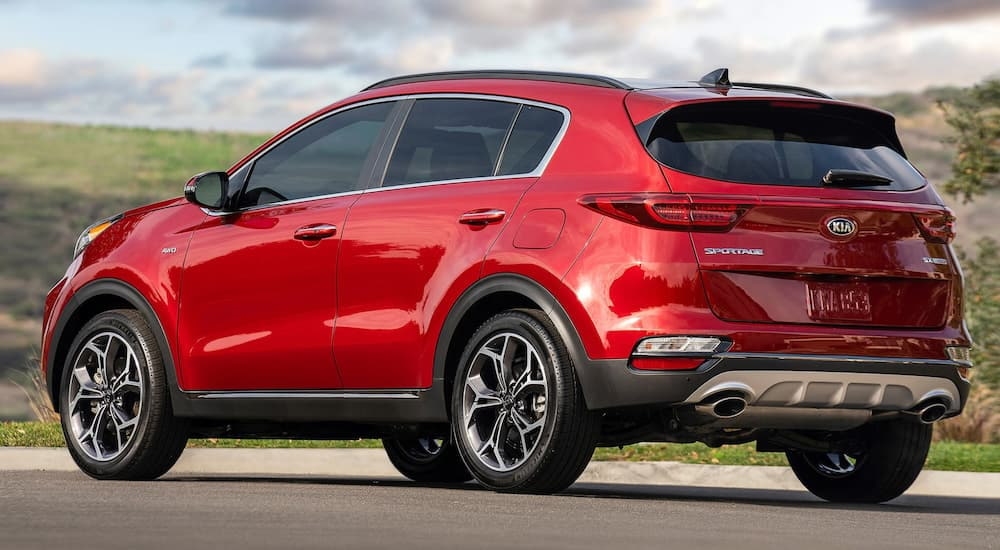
(450, 139)
(533, 133)
(322, 159)
(756, 142)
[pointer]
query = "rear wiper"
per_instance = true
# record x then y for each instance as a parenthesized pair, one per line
(853, 178)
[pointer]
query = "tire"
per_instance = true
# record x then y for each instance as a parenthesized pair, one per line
(889, 459)
(518, 415)
(427, 459)
(118, 422)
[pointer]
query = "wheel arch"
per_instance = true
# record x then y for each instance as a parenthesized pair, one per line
(488, 297)
(94, 298)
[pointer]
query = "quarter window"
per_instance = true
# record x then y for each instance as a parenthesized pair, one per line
(531, 138)
(324, 158)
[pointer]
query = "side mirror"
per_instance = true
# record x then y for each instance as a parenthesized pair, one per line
(207, 189)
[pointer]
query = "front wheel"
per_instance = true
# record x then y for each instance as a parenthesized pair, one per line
(887, 460)
(518, 413)
(115, 402)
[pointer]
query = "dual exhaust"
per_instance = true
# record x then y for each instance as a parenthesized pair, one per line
(733, 411)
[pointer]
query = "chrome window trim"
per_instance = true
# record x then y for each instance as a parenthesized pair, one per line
(220, 213)
(537, 172)
(542, 164)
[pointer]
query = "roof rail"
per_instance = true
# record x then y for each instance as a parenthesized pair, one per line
(784, 88)
(546, 76)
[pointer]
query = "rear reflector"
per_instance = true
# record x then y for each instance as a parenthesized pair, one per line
(667, 211)
(666, 363)
(938, 227)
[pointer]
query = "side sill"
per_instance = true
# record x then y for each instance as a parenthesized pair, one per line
(402, 407)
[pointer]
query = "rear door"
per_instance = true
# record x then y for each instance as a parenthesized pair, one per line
(459, 167)
(835, 226)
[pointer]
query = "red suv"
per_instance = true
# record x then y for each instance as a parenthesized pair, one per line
(495, 272)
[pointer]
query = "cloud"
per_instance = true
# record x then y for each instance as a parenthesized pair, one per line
(880, 63)
(27, 76)
(304, 50)
(214, 61)
(356, 14)
(372, 39)
(89, 90)
(933, 11)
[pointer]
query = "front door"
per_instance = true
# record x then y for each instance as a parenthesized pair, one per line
(258, 294)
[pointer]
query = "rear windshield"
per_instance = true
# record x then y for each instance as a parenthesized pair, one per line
(766, 143)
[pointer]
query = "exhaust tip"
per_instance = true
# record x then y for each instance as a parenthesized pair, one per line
(729, 407)
(932, 413)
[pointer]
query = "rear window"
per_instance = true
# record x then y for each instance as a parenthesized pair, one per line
(764, 143)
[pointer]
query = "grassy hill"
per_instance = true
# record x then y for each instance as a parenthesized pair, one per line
(56, 179)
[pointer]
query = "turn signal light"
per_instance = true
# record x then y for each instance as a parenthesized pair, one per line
(675, 352)
(667, 211)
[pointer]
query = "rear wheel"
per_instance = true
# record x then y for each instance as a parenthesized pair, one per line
(426, 459)
(518, 414)
(115, 403)
(888, 459)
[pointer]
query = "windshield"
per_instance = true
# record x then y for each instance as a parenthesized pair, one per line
(775, 143)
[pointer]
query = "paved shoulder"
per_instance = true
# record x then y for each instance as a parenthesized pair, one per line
(372, 463)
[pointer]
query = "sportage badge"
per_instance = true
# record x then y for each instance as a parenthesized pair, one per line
(841, 227)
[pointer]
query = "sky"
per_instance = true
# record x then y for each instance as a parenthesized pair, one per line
(258, 65)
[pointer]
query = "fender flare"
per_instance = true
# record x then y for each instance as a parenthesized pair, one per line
(124, 291)
(508, 282)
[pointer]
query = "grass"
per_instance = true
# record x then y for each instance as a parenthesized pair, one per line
(102, 159)
(944, 455)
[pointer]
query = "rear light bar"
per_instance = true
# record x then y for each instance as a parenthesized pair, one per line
(675, 352)
(960, 354)
(936, 227)
(667, 211)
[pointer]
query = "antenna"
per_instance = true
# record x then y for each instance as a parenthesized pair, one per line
(719, 78)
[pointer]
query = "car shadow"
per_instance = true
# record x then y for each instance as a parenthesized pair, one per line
(917, 504)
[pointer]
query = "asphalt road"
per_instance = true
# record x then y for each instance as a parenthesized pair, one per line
(68, 509)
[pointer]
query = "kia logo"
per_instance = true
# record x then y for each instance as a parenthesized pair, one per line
(842, 227)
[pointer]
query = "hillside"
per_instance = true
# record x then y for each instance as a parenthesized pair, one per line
(56, 179)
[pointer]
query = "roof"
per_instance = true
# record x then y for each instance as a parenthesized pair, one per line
(716, 80)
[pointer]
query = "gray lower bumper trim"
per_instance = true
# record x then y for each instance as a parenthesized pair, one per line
(825, 389)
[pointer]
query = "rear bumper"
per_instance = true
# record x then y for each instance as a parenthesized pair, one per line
(816, 381)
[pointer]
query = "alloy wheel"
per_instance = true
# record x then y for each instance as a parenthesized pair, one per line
(504, 401)
(105, 396)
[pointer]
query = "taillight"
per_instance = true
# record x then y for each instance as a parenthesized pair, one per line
(936, 227)
(676, 352)
(661, 211)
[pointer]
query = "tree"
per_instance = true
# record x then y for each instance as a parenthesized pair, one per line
(975, 117)
(982, 309)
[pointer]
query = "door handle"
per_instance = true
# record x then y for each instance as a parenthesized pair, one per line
(315, 232)
(485, 216)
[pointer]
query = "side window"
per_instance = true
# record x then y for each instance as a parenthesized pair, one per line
(533, 133)
(450, 139)
(322, 159)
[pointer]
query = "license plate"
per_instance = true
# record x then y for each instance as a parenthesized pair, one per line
(839, 302)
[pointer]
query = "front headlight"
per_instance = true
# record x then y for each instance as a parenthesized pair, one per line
(92, 232)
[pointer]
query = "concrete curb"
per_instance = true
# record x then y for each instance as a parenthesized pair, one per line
(372, 463)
